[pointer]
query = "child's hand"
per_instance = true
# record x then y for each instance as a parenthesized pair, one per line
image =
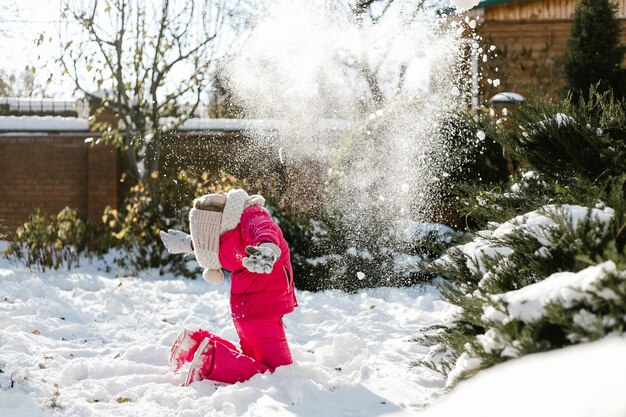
(261, 258)
(176, 241)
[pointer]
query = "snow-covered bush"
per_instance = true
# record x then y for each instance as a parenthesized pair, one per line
(566, 308)
(523, 287)
(562, 154)
(523, 193)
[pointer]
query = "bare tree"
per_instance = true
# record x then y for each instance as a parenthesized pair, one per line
(147, 63)
(370, 13)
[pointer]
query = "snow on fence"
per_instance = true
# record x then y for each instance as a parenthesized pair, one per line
(29, 105)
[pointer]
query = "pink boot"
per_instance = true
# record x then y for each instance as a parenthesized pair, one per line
(184, 347)
(202, 363)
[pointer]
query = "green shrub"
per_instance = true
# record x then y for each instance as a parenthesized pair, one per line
(49, 242)
(583, 312)
(325, 256)
(576, 146)
(566, 154)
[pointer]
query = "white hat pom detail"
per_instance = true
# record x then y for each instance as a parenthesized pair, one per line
(213, 276)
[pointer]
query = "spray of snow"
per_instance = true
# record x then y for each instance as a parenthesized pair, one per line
(365, 100)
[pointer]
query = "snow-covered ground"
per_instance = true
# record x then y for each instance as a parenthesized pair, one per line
(84, 343)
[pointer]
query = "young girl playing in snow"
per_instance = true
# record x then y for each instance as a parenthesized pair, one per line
(235, 232)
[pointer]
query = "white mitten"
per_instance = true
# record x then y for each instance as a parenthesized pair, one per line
(261, 258)
(176, 241)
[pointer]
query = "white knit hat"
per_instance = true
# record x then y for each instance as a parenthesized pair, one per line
(205, 235)
(207, 227)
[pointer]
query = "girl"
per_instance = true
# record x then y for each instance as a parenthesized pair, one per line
(235, 232)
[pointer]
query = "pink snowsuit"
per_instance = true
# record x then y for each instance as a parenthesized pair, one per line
(257, 301)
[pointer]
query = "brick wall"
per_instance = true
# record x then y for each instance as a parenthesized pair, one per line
(246, 159)
(531, 56)
(51, 171)
(103, 168)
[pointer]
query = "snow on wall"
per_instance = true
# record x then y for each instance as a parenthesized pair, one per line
(76, 124)
(43, 123)
(240, 125)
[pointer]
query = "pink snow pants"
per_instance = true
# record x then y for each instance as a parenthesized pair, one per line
(263, 347)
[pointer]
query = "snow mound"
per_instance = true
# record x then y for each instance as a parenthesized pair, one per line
(585, 380)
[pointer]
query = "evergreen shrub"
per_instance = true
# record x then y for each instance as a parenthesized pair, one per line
(568, 143)
(594, 50)
(483, 275)
(560, 221)
(567, 154)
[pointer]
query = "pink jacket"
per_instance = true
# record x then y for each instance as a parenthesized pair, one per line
(253, 295)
